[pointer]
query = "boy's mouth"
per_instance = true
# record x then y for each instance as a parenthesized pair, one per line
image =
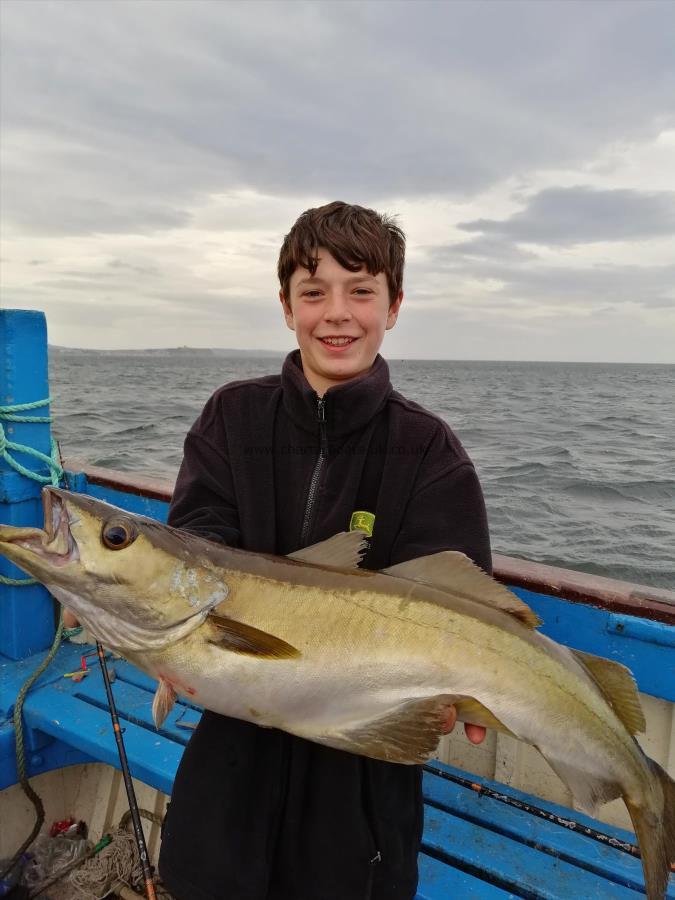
(337, 342)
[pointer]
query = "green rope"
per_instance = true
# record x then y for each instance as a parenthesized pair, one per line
(17, 582)
(20, 752)
(9, 414)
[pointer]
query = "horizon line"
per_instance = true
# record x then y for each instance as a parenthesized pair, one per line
(251, 352)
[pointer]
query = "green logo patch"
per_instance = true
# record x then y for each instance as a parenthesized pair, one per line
(362, 521)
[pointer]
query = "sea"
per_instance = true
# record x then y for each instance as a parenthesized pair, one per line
(576, 460)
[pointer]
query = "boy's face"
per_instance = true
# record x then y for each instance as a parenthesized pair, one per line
(339, 318)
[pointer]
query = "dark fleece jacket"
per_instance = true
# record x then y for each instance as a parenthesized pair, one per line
(258, 814)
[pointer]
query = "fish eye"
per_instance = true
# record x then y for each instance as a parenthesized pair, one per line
(117, 534)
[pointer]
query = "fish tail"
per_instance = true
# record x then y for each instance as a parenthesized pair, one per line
(655, 828)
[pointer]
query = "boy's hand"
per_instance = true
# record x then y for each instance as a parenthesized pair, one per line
(475, 733)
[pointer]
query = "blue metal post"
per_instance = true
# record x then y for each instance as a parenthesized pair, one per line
(26, 612)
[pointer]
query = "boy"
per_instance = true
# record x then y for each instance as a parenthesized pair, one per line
(275, 464)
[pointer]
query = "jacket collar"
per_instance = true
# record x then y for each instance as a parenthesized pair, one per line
(348, 407)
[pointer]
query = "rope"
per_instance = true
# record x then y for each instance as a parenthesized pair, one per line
(20, 753)
(117, 863)
(9, 414)
(17, 582)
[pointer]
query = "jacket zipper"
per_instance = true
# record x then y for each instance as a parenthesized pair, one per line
(370, 821)
(316, 474)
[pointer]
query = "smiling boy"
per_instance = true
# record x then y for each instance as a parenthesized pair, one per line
(275, 464)
(339, 318)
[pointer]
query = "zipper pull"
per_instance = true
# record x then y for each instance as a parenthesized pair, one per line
(321, 409)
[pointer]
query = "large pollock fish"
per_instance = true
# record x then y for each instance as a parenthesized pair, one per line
(368, 662)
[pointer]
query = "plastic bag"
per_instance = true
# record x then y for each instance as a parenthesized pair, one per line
(49, 855)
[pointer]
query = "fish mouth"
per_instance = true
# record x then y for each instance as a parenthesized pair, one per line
(54, 544)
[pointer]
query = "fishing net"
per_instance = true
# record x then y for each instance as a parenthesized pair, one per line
(118, 862)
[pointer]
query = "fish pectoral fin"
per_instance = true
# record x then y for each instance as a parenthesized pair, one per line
(342, 551)
(163, 701)
(470, 710)
(241, 638)
(409, 734)
(454, 573)
(618, 686)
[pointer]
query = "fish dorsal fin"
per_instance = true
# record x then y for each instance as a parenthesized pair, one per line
(454, 572)
(618, 685)
(342, 551)
(241, 638)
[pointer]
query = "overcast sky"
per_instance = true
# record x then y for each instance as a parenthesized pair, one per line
(155, 153)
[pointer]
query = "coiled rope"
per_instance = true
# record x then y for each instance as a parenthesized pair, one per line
(32, 795)
(11, 414)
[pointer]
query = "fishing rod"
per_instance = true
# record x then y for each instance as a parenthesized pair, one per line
(124, 762)
(564, 822)
(128, 783)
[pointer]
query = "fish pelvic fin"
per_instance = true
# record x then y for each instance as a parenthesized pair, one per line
(409, 734)
(618, 686)
(454, 572)
(241, 638)
(163, 701)
(344, 550)
(655, 828)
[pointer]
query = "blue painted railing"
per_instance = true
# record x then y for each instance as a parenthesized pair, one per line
(474, 845)
(26, 613)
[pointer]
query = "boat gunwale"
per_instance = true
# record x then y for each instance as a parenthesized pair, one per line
(644, 601)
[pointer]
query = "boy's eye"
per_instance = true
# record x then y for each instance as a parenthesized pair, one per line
(312, 294)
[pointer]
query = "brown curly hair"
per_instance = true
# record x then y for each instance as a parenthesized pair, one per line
(354, 235)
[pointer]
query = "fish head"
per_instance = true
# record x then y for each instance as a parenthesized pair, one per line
(134, 582)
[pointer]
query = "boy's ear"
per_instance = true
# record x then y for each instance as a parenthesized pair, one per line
(392, 315)
(288, 312)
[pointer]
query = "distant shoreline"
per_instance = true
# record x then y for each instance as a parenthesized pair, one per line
(234, 353)
(170, 351)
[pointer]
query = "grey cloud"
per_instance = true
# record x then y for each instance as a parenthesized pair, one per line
(577, 215)
(651, 286)
(485, 247)
(546, 285)
(118, 117)
(135, 268)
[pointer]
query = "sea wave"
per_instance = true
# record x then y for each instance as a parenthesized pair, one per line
(576, 461)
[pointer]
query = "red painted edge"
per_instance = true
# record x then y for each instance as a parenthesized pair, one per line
(593, 590)
(577, 587)
(126, 482)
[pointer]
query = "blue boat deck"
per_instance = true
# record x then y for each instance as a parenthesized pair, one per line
(474, 845)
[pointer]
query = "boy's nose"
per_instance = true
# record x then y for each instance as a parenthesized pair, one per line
(337, 309)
